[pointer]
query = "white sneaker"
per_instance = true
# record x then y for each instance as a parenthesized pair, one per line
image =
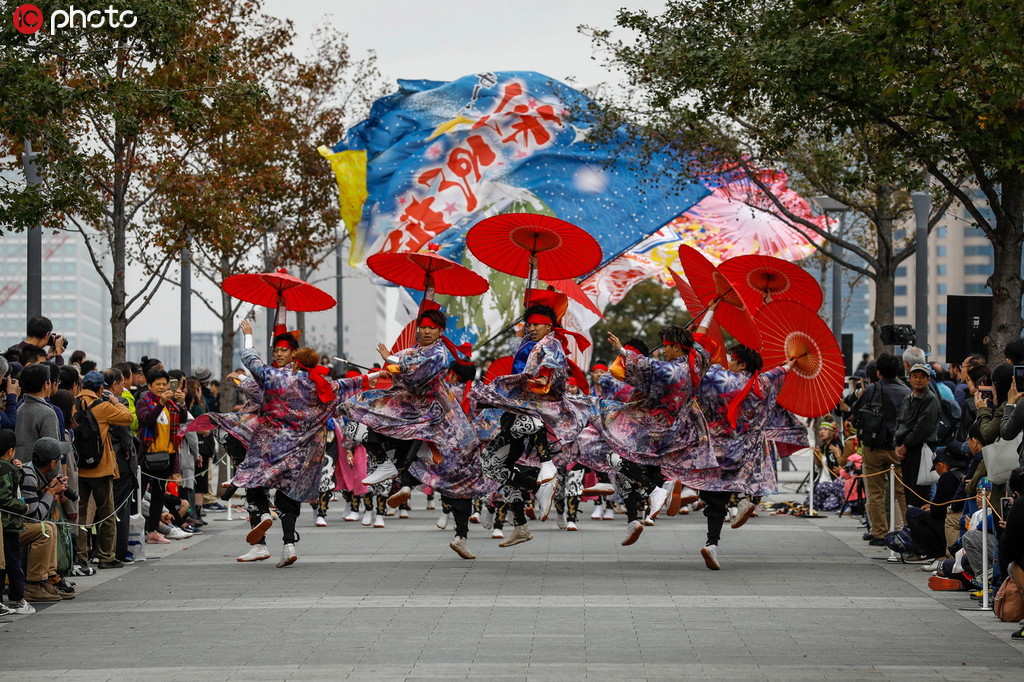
(547, 472)
(486, 516)
(255, 553)
(648, 520)
(688, 496)
(571, 526)
(734, 513)
(442, 521)
(385, 472)
(598, 510)
(599, 489)
(257, 532)
(710, 556)
(400, 498)
(403, 513)
(933, 566)
(288, 556)
(658, 498)
(497, 534)
(430, 505)
(320, 522)
(22, 609)
(744, 510)
(563, 521)
(368, 518)
(633, 530)
(474, 517)
(352, 516)
(545, 496)
(609, 514)
(378, 521)
(176, 533)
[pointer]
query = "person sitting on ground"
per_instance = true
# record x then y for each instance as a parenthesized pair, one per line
(42, 486)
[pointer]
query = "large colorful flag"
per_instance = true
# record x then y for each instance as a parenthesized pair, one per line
(435, 158)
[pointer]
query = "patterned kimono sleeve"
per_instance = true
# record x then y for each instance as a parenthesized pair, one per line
(610, 388)
(346, 388)
(546, 355)
(254, 363)
(717, 382)
(419, 367)
(775, 377)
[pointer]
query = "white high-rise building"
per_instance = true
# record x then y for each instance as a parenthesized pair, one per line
(73, 295)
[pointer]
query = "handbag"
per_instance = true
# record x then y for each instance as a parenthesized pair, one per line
(926, 473)
(156, 462)
(1001, 459)
(1009, 603)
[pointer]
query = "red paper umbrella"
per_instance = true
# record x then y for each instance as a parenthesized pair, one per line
(529, 244)
(713, 289)
(267, 289)
(570, 288)
(424, 271)
(696, 309)
(499, 368)
(763, 279)
(814, 385)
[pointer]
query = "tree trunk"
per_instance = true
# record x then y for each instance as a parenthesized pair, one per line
(118, 297)
(1005, 282)
(227, 348)
(885, 287)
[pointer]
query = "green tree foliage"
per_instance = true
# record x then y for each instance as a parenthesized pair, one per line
(931, 85)
(642, 313)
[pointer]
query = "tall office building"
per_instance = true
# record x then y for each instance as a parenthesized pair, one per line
(73, 295)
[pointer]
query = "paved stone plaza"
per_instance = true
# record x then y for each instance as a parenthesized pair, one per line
(796, 599)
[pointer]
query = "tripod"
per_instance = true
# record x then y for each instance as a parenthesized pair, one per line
(857, 487)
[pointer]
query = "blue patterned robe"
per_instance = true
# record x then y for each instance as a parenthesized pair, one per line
(745, 465)
(661, 424)
(420, 406)
(286, 437)
(563, 414)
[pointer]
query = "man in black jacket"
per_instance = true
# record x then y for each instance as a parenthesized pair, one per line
(879, 455)
(916, 423)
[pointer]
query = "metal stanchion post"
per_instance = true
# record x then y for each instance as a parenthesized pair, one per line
(985, 606)
(230, 476)
(138, 498)
(892, 506)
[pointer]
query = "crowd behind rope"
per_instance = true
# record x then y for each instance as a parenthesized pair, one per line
(932, 425)
(73, 439)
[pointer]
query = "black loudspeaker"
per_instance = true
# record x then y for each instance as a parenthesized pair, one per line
(968, 323)
(847, 347)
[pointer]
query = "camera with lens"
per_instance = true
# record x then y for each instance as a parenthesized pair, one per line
(852, 468)
(902, 335)
(70, 494)
(52, 339)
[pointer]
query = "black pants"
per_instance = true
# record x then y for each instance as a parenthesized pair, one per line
(461, 509)
(15, 571)
(929, 534)
(124, 490)
(258, 503)
(156, 485)
(236, 451)
(716, 508)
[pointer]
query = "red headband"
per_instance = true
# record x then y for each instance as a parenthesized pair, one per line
(540, 318)
(427, 322)
(599, 366)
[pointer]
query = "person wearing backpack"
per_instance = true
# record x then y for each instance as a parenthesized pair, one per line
(874, 415)
(97, 466)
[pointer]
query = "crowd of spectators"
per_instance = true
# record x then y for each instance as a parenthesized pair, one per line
(932, 425)
(74, 439)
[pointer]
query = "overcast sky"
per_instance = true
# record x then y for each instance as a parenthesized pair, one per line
(440, 41)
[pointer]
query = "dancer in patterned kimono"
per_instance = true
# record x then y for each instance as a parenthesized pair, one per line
(738, 402)
(285, 439)
(537, 411)
(659, 425)
(420, 421)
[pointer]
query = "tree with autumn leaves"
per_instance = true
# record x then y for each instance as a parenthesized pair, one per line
(198, 124)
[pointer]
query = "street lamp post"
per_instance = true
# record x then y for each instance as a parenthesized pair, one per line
(339, 316)
(829, 205)
(922, 208)
(34, 240)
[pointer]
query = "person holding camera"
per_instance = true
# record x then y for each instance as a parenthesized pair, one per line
(42, 486)
(161, 412)
(10, 390)
(39, 336)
